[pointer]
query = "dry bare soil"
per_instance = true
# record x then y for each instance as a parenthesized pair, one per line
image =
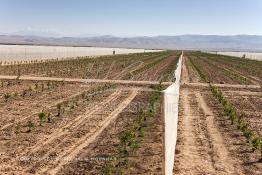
(60, 127)
(208, 142)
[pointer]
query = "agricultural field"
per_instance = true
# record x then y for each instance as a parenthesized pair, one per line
(62, 127)
(226, 69)
(147, 66)
(220, 116)
(54, 121)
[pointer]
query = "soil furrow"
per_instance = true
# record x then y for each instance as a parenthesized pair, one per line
(87, 139)
(72, 124)
(190, 153)
(222, 161)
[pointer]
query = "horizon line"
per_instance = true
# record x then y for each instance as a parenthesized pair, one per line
(123, 36)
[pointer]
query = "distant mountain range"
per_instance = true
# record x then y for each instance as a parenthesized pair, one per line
(189, 42)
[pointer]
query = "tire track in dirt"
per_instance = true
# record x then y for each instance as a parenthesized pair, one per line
(201, 148)
(87, 139)
(185, 74)
(191, 157)
(223, 163)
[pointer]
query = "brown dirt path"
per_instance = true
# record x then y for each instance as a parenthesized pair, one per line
(188, 159)
(185, 73)
(200, 147)
(128, 82)
(223, 85)
(222, 160)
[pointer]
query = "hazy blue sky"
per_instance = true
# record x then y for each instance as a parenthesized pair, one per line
(132, 17)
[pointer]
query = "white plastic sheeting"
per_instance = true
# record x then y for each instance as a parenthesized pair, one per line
(26, 52)
(249, 55)
(171, 99)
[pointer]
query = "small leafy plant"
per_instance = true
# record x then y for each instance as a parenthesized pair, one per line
(7, 96)
(30, 126)
(41, 117)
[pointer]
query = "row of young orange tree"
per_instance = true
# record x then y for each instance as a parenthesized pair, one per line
(79, 67)
(130, 139)
(236, 118)
(58, 111)
(31, 90)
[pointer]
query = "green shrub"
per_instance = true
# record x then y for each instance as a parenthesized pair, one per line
(41, 117)
(108, 169)
(30, 126)
(7, 96)
(243, 125)
(257, 143)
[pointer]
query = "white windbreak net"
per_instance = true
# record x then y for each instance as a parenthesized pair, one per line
(171, 99)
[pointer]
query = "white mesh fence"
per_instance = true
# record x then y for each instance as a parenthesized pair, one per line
(171, 99)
